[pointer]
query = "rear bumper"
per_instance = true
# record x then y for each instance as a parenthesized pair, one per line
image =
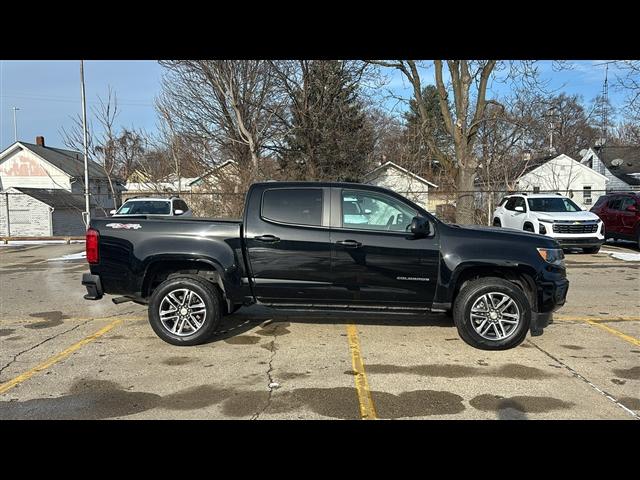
(93, 285)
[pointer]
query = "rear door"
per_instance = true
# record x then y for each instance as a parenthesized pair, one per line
(287, 242)
(375, 259)
(612, 213)
(627, 218)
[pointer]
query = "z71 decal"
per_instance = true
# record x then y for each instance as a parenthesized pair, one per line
(126, 226)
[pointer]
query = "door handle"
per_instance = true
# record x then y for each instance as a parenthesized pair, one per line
(349, 243)
(267, 238)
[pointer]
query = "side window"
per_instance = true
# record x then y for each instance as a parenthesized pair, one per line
(375, 211)
(614, 203)
(180, 205)
(521, 203)
(626, 203)
(503, 201)
(290, 205)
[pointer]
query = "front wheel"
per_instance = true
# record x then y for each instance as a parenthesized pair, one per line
(492, 314)
(184, 310)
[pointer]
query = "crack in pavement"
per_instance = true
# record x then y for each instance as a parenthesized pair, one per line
(273, 350)
(33, 347)
(588, 382)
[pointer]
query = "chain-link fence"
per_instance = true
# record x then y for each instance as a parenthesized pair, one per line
(61, 213)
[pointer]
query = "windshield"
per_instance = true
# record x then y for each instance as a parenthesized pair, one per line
(552, 204)
(145, 208)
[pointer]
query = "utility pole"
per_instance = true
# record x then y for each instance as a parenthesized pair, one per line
(86, 152)
(15, 125)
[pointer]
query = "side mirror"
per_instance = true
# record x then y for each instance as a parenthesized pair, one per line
(519, 209)
(420, 227)
(113, 212)
(632, 208)
(178, 212)
(367, 211)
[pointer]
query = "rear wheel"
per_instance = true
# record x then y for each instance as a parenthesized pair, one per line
(492, 314)
(184, 310)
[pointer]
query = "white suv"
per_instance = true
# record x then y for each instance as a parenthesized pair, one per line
(553, 215)
(153, 207)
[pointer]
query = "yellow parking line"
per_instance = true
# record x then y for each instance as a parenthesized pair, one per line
(4, 387)
(623, 336)
(367, 407)
(601, 319)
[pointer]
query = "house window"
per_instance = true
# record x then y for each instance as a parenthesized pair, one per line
(536, 189)
(20, 217)
(586, 195)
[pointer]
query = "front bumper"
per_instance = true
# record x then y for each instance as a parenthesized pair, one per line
(93, 286)
(552, 294)
(579, 242)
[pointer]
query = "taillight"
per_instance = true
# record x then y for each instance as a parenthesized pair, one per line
(91, 244)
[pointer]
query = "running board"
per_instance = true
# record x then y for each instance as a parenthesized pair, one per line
(345, 308)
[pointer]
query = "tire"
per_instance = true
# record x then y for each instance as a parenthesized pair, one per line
(472, 293)
(209, 318)
(591, 249)
(497, 222)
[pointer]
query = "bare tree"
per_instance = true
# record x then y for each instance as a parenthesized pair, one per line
(463, 115)
(230, 103)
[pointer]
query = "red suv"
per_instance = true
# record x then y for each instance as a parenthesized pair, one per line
(620, 213)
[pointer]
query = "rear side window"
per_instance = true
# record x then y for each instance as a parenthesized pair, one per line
(290, 205)
(626, 203)
(600, 201)
(503, 201)
(614, 203)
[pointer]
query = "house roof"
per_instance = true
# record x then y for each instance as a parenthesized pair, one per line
(54, 197)
(198, 180)
(539, 161)
(376, 171)
(630, 157)
(70, 162)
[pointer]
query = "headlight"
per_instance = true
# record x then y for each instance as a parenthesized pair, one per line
(554, 256)
(543, 229)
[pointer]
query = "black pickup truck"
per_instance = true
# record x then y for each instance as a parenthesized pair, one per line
(332, 246)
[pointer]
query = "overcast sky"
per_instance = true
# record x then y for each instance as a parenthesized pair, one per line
(48, 92)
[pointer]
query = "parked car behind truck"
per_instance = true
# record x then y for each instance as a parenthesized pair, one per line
(306, 246)
(620, 212)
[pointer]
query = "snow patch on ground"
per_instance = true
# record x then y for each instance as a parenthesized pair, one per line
(71, 256)
(13, 243)
(626, 256)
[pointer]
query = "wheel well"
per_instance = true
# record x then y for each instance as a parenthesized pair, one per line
(497, 220)
(513, 275)
(530, 225)
(158, 272)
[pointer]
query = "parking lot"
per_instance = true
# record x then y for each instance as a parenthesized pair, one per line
(62, 357)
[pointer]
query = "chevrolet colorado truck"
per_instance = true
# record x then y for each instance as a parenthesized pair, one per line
(327, 246)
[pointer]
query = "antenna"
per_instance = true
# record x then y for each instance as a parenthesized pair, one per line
(605, 102)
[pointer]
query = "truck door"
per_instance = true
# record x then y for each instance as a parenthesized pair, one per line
(375, 259)
(287, 241)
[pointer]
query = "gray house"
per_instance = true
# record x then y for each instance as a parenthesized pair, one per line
(40, 212)
(621, 165)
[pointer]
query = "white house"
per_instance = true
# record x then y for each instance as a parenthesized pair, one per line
(399, 179)
(621, 165)
(36, 165)
(563, 174)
